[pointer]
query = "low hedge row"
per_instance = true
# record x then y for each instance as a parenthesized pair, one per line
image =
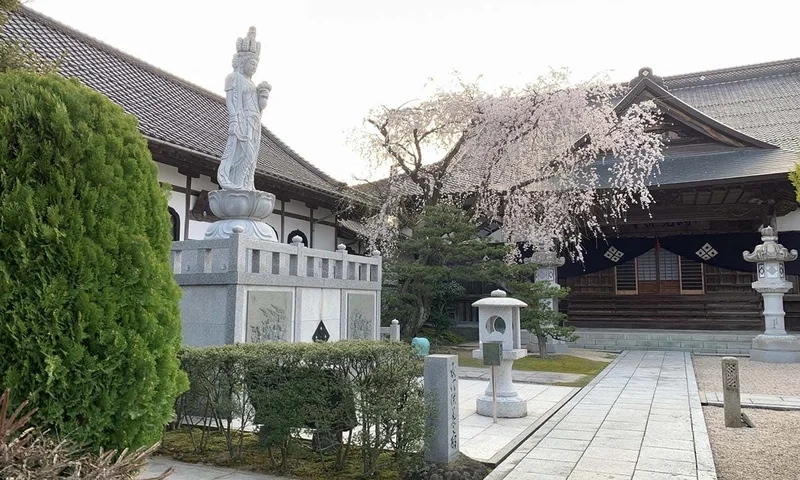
(365, 391)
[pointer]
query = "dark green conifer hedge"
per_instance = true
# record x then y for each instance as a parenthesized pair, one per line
(89, 309)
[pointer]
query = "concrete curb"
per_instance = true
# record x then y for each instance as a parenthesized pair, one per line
(706, 470)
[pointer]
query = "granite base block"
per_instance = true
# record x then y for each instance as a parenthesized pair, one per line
(507, 407)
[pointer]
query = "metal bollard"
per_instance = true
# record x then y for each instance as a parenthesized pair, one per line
(732, 396)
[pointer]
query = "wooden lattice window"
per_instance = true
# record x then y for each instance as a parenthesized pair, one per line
(626, 278)
(691, 277)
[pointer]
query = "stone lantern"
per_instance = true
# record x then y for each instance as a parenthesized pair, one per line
(547, 263)
(498, 320)
(774, 345)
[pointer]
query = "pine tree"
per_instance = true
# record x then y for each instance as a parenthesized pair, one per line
(89, 309)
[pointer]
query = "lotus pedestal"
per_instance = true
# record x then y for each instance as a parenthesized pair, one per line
(241, 211)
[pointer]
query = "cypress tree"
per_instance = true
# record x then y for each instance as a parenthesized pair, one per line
(89, 309)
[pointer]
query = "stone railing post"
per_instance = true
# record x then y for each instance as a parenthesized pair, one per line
(394, 331)
(774, 345)
(441, 395)
(731, 392)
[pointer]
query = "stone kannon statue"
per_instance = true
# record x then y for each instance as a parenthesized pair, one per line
(245, 101)
(239, 206)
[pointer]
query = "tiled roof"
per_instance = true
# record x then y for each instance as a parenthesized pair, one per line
(169, 109)
(762, 101)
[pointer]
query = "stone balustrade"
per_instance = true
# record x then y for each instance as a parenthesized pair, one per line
(242, 289)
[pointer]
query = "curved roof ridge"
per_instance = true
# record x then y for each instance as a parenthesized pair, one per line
(138, 62)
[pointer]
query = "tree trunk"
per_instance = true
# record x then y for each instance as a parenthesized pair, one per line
(542, 346)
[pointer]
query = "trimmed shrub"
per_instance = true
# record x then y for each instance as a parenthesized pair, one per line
(89, 309)
(327, 388)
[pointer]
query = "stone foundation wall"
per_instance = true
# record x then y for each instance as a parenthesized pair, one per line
(695, 341)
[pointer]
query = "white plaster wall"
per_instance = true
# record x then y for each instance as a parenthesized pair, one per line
(789, 222)
(169, 174)
(324, 237)
(197, 230)
(297, 207)
(291, 224)
(203, 182)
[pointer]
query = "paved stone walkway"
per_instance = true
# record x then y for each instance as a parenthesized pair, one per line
(191, 471)
(639, 419)
(777, 402)
(546, 378)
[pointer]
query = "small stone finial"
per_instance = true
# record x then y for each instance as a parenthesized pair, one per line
(297, 241)
(395, 322)
(376, 253)
(238, 229)
(341, 247)
(498, 293)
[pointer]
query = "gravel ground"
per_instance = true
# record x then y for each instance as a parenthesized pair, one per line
(768, 451)
(754, 377)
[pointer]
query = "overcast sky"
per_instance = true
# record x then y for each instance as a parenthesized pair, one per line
(330, 61)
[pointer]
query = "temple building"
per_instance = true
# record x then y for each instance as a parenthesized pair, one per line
(731, 138)
(186, 129)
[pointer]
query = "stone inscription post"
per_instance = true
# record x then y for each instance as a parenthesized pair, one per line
(441, 396)
(731, 393)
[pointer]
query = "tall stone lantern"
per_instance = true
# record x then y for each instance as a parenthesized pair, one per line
(774, 345)
(547, 263)
(498, 319)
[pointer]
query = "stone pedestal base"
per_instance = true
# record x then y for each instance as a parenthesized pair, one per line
(249, 228)
(507, 407)
(776, 349)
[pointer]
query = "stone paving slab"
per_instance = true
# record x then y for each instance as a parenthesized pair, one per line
(519, 376)
(639, 419)
(775, 402)
(489, 442)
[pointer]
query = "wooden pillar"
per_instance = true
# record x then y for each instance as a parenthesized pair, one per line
(188, 202)
(283, 222)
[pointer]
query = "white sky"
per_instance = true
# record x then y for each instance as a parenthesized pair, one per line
(330, 61)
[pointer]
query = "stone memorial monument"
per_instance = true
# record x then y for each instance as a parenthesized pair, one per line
(774, 345)
(239, 206)
(498, 321)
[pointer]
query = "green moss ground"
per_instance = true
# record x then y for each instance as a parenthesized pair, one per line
(303, 462)
(557, 364)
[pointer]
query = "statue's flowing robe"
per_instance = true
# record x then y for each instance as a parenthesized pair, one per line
(239, 159)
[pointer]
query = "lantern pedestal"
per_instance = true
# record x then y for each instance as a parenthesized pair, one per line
(509, 404)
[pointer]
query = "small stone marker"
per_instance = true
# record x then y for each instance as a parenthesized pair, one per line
(441, 395)
(731, 394)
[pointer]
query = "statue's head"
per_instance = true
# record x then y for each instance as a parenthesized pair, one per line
(248, 51)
